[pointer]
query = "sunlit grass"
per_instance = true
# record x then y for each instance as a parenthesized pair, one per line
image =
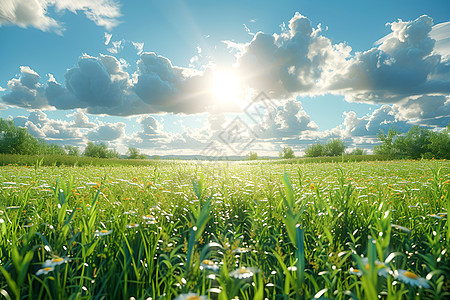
(219, 231)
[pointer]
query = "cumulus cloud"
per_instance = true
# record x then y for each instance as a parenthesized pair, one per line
(26, 91)
(287, 120)
(107, 132)
(81, 120)
(55, 131)
(289, 63)
(439, 32)
(369, 126)
(300, 60)
(404, 65)
(426, 110)
(34, 13)
(101, 86)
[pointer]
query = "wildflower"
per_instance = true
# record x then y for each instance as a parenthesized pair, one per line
(149, 218)
(355, 272)
(55, 262)
(382, 269)
(240, 250)
(132, 225)
(103, 232)
(243, 273)
(190, 296)
(44, 270)
(434, 216)
(209, 265)
(411, 278)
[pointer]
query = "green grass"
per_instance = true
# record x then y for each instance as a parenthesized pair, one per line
(262, 230)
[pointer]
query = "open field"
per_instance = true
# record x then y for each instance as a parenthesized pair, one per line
(224, 230)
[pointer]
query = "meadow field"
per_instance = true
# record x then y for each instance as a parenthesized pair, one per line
(226, 230)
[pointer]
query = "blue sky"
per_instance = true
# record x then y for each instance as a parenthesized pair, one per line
(169, 77)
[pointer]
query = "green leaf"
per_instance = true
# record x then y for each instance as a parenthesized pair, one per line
(290, 201)
(11, 283)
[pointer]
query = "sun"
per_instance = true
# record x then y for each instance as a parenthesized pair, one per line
(227, 87)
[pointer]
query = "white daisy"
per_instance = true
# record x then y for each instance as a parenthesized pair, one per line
(207, 264)
(411, 278)
(55, 262)
(44, 270)
(103, 232)
(243, 273)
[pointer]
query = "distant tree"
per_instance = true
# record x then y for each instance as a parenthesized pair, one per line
(334, 147)
(287, 152)
(252, 156)
(358, 151)
(156, 157)
(439, 146)
(112, 153)
(72, 150)
(55, 149)
(16, 140)
(416, 143)
(315, 150)
(387, 142)
(133, 153)
(100, 151)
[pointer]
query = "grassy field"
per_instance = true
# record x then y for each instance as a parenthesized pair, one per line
(237, 230)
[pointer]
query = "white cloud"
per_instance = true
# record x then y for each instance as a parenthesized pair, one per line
(439, 32)
(426, 110)
(108, 37)
(404, 65)
(2, 89)
(81, 120)
(107, 132)
(34, 13)
(117, 47)
(248, 30)
(26, 91)
(291, 63)
(100, 85)
(288, 120)
(369, 126)
(55, 131)
(301, 61)
(25, 13)
(139, 47)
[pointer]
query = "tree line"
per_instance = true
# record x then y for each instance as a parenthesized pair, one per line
(418, 142)
(18, 140)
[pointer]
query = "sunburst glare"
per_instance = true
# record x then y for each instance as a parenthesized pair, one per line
(227, 87)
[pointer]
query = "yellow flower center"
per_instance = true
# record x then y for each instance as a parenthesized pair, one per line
(244, 270)
(104, 231)
(207, 262)
(132, 224)
(59, 259)
(47, 269)
(193, 297)
(410, 275)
